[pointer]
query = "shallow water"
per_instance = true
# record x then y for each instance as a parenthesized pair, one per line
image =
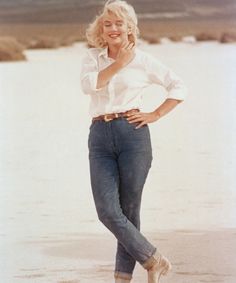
(45, 188)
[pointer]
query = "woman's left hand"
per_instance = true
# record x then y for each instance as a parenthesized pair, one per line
(144, 118)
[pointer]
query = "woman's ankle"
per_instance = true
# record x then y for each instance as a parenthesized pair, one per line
(122, 277)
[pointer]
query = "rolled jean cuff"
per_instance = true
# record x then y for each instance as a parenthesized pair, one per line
(123, 275)
(148, 264)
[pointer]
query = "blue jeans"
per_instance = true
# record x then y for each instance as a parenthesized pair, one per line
(120, 157)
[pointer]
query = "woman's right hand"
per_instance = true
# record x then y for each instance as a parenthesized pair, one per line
(125, 54)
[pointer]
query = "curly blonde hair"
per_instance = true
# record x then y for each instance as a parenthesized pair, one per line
(120, 9)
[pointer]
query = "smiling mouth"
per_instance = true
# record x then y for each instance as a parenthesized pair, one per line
(114, 35)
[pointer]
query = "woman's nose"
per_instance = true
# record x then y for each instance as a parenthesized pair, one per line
(114, 27)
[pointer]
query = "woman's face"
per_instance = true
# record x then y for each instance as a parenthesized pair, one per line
(115, 30)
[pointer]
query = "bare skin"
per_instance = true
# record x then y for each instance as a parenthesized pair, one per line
(145, 118)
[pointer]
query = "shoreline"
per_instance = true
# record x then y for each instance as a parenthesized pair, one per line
(15, 38)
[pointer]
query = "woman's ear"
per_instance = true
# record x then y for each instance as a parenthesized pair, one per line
(131, 38)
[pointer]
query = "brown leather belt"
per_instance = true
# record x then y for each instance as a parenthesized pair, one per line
(111, 116)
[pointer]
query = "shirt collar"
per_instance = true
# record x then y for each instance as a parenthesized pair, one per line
(104, 52)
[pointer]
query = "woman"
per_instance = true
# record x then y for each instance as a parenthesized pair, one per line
(113, 73)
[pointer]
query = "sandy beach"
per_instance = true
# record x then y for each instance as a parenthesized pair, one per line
(197, 256)
(49, 230)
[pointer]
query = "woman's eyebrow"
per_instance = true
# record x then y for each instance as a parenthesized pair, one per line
(118, 21)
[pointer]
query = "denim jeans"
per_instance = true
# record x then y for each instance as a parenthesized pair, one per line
(120, 157)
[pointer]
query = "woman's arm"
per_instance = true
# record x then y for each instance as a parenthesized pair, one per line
(106, 74)
(145, 118)
(166, 107)
(160, 74)
(89, 74)
(176, 91)
(124, 56)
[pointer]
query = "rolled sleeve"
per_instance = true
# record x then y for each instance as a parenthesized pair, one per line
(89, 75)
(160, 74)
(176, 89)
(93, 78)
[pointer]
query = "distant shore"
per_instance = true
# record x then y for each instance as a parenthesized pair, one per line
(15, 38)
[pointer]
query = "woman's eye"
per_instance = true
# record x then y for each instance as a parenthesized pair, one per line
(106, 24)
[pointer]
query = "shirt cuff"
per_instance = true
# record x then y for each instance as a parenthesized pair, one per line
(93, 78)
(179, 94)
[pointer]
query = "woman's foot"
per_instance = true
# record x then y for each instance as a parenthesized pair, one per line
(161, 267)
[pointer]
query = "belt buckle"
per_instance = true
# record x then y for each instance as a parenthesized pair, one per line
(106, 119)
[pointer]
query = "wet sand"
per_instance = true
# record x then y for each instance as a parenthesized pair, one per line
(196, 256)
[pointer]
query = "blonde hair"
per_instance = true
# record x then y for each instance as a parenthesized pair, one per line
(120, 9)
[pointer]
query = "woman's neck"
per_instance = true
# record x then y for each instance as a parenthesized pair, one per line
(113, 51)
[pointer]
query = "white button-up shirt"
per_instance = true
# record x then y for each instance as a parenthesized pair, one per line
(123, 92)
